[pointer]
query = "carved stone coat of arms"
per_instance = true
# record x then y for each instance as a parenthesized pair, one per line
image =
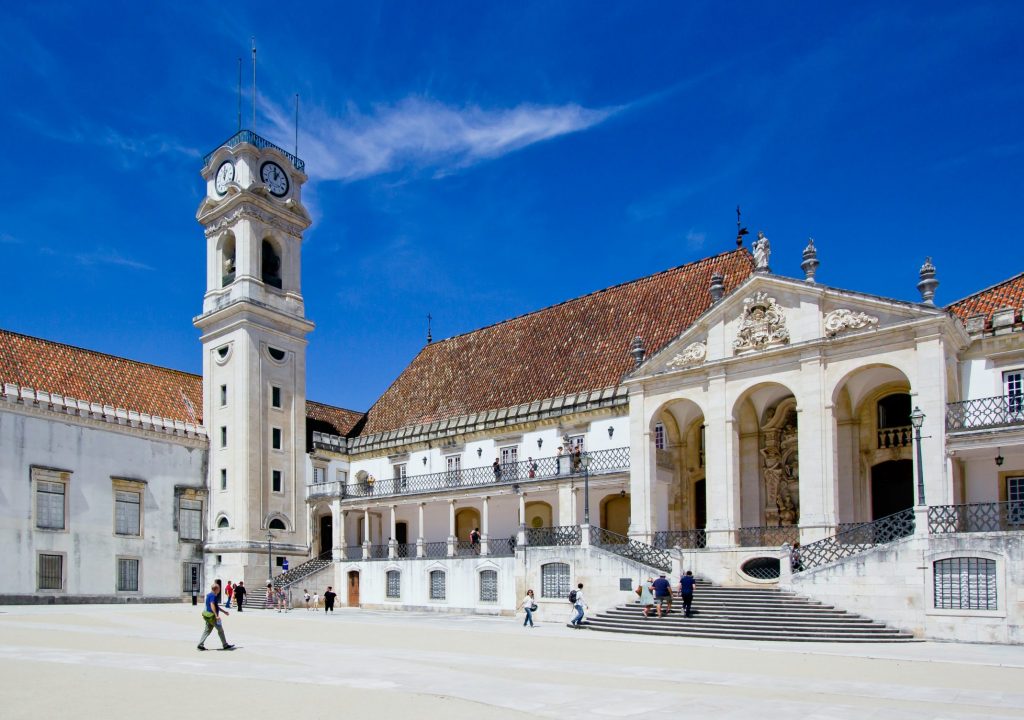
(763, 324)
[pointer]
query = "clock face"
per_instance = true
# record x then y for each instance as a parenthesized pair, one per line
(274, 178)
(225, 174)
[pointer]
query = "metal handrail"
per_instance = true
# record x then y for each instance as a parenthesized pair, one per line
(352, 552)
(248, 136)
(976, 517)
(990, 412)
(682, 539)
(501, 547)
(303, 570)
(853, 541)
(553, 536)
(768, 536)
(405, 551)
(601, 461)
(435, 549)
(631, 549)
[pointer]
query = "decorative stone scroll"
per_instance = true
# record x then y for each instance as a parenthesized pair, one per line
(693, 354)
(839, 320)
(763, 325)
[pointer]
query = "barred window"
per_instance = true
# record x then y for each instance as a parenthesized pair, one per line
(190, 519)
(50, 572)
(965, 583)
(127, 513)
(191, 577)
(488, 586)
(554, 580)
(50, 505)
(394, 591)
(437, 585)
(659, 436)
(127, 575)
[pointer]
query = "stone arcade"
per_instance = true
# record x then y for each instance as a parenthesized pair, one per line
(749, 413)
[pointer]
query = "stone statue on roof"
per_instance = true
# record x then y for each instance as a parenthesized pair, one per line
(762, 249)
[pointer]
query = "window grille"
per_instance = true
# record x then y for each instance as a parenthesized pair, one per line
(50, 505)
(659, 436)
(394, 589)
(965, 583)
(51, 572)
(192, 577)
(127, 511)
(437, 585)
(554, 580)
(190, 519)
(488, 586)
(127, 575)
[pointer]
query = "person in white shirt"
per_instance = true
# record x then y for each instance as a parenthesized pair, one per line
(529, 605)
(580, 606)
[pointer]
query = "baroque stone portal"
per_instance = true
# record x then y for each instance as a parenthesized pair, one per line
(763, 325)
(781, 468)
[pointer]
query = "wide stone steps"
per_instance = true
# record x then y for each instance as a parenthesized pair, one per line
(748, 614)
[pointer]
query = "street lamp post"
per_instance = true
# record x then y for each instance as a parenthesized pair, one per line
(270, 556)
(585, 462)
(917, 420)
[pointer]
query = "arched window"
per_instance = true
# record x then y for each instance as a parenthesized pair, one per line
(437, 585)
(965, 583)
(894, 411)
(488, 586)
(394, 585)
(554, 580)
(223, 522)
(227, 260)
(270, 264)
(277, 524)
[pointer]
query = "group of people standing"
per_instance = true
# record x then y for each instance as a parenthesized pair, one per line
(657, 594)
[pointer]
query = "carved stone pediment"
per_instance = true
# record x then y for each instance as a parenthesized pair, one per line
(763, 324)
(842, 319)
(693, 354)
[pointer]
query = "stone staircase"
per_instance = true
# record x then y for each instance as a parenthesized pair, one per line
(304, 570)
(730, 613)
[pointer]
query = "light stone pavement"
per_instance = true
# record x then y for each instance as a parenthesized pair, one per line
(140, 662)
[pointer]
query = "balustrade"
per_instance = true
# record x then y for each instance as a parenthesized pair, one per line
(976, 517)
(896, 437)
(631, 549)
(854, 540)
(991, 412)
(551, 536)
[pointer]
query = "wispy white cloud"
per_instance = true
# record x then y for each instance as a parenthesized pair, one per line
(8, 239)
(109, 256)
(143, 147)
(419, 133)
(695, 240)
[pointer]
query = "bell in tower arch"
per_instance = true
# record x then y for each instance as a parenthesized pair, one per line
(270, 264)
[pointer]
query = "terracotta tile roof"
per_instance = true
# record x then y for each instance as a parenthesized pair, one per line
(129, 384)
(575, 346)
(1008, 293)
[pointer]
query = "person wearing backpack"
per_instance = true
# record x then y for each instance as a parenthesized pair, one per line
(576, 600)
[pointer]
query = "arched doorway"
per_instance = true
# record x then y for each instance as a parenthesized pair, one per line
(892, 487)
(615, 513)
(466, 520)
(538, 515)
(325, 527)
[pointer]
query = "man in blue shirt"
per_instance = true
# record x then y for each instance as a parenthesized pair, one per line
(663, 594)
(686, 590)
(211, 616)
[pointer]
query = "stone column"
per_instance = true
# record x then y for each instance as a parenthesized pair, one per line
(337, 530)
(392, 542)
(642, 464)
(566, 514)
(928, 392)
(521, 540)
(816, 442)
(484, 522)
(722, 471)
(420, 549)
(451, 528)
(366, 533)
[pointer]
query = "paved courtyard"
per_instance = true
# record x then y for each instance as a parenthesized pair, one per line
(141, 661)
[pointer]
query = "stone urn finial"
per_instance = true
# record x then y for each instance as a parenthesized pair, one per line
(810, 263)
(717, 287)
(636, 349)
(927, 283)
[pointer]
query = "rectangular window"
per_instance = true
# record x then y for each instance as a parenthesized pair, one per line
(223, 436)
(454, 463)
(50, 572)
(703, 428)
(398, 472)
(510, 455)
(659, 436)
(50, 505)
(190, 519)
(223, 479)
(191, 577)
(275, 481)
(1013, 388)
(965, 583)
(275, 438)
(488, 586)
(577, 441)
(1015, 497)
(127, 575)
(394, 588)
(437, 589)
(223, 395)
(319, 475)
(127, 513)
(341, 476)
(275, 397)
(554, 580)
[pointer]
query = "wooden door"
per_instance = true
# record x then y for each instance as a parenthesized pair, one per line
(353, 588)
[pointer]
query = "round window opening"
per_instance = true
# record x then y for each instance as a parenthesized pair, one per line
(761, 568)
(276, 354)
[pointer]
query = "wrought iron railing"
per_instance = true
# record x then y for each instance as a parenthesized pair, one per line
(405, 551)
(632, 549)
(465, 547)
(501, 547)
(770, 536)
(352, 552)
(853, 541)
(683, 539)
(248, 136)
(991, 412)
(895, 437)
(303, 570)
(435, 549)
(976, 517)
(378, 552)
(601, 461)
(557, 535)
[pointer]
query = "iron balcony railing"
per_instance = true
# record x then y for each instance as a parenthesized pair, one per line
(501, 547)
(465, 547)
(435, 549)
(992, 412)
(976, 517)
(631, 549)
(601, 461)
(405, 550)
(352, 552)
(682, 539)
(551, 536)
(853, 541)
(771, 536)
(248, 136)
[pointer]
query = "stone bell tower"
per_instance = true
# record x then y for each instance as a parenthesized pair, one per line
(254, 331)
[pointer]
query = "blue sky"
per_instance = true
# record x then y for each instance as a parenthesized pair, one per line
(480, 160)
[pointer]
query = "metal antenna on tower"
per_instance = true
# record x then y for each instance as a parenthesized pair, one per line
(740, 230)
(254, 84)
(239, 93)
(430, 337)
(296, 124)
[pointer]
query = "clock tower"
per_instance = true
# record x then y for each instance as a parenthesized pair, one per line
(254, 331)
